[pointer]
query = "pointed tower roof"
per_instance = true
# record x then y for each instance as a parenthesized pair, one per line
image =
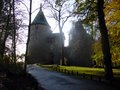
(40, 18)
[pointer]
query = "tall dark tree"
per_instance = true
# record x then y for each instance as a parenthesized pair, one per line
(1, 5)
(6, 22)
(105, 41)
(26, 57)
(88, 8)
(9, 29)
(14, 33)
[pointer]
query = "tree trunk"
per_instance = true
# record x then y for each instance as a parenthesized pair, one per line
(105, 41)
(14, 34)
(26, 55)
(62, 41)
(2, 50)
(1, 5)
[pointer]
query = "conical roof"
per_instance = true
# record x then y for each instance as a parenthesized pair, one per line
(40, 19)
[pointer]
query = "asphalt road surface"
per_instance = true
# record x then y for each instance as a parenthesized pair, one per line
(57, 81)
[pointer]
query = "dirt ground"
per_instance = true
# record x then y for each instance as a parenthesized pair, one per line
(18, 82)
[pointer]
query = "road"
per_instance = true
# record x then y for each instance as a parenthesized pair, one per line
(56, 81)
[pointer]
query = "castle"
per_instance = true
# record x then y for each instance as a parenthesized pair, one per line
(44, 46)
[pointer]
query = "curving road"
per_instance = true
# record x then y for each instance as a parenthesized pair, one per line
(57, 81)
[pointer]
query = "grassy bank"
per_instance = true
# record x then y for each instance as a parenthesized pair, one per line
(82, 70)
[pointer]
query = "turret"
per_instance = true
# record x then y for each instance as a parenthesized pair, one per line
(39, 49)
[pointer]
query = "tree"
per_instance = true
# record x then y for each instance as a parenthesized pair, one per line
(26, 57)
(112, 18)
(111, 10)
(1, 5)
(105, 41)
(14, 33)
(88, 11)
(60, 11)
(9, 31)
(97, 55)
(6, 24)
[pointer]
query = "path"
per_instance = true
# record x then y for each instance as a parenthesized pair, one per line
(57, 81)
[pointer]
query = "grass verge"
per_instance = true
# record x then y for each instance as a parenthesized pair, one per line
(82, 70)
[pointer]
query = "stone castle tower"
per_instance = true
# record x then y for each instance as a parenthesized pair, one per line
(44, 46)
(80, 46)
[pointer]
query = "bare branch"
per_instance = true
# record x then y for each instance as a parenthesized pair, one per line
(64, 21)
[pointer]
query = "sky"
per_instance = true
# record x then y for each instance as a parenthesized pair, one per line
(51, 21)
